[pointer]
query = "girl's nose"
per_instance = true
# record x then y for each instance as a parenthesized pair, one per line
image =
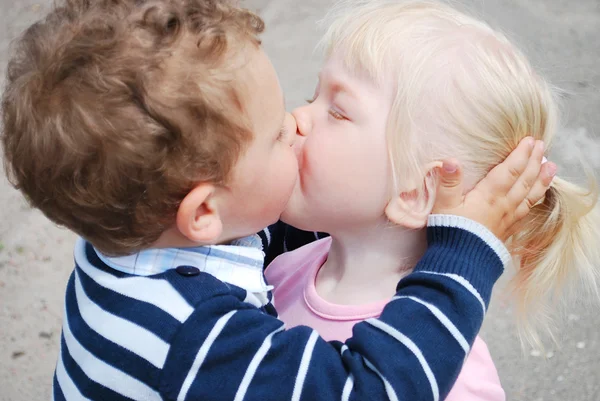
(302, 121)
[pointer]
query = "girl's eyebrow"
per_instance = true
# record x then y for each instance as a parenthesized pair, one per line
(338, 86)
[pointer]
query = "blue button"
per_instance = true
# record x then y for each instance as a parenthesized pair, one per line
(187, 271)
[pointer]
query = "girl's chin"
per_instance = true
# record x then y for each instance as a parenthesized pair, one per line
(298, 220)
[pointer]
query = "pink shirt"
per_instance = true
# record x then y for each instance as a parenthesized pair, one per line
(293, 274)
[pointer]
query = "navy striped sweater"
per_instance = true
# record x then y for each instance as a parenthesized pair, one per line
(180, 333)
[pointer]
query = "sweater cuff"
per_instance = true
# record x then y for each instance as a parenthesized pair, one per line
(465, 250)
(447, 220)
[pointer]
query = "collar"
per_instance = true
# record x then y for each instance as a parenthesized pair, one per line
(239, 264)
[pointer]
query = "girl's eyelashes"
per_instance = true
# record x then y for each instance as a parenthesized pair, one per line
(337, 115)
(333, 113)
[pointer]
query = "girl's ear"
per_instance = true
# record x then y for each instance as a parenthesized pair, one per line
(198, 218)
(410, 209)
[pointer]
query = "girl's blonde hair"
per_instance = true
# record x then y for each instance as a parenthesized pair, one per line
(463, 90)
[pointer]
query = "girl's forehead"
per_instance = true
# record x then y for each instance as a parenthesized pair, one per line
(371, 67)
(337, 68)
(341, 77)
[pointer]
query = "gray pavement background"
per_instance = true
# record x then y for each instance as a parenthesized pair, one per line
(563, 39)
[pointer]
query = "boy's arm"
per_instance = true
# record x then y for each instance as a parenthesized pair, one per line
(228, 350)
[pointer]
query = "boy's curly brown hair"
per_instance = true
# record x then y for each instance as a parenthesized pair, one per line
(114, 110)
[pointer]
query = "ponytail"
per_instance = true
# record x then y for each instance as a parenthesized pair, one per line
(558, 250)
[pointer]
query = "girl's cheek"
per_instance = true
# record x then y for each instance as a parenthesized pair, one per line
(312, 162)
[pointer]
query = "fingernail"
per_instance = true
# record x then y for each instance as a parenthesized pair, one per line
(531, 142)
(450, 167)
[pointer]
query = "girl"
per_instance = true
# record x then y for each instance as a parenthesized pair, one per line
(404, 86)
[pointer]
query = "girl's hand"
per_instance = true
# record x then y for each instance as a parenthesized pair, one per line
(504, 196)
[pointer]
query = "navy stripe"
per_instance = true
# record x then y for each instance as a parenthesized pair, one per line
(279, 355)
(418, 386)
(229, 356)
(109, 352)
(57, 392)
(195, 289)
(269, 309)
(238, 292)
(466, 305)
(335, 384)
(366, 389)
(162, 324)
(436, 353)
(87, 387)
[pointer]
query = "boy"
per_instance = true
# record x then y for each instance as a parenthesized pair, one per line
(156, 130)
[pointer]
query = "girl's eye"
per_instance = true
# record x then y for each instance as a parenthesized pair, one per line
(336, 115)
(333, 113)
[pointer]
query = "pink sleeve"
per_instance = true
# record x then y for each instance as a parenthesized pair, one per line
(478, 380)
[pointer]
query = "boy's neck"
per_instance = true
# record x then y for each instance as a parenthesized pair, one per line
(172, 238)
(365, 265)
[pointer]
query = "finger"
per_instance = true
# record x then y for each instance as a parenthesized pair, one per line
(502, 177)
(450, 187)
(525, 183)
(538, 190)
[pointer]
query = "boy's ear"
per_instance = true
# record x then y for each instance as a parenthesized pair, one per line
(410, 210)
(197, 217)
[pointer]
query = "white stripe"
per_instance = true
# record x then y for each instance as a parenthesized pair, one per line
(304, 364)
(105, 374)
(464, 282)
(348, 388)
(444, 320)
(256, 299)
(388, 387)
(68, 388)
(256, 360)
(268, 235)
(159, 293)
(408, 343)
(120, 331)
(201, 355)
